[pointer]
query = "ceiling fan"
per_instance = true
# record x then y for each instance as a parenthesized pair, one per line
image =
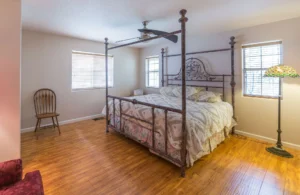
(148, 33)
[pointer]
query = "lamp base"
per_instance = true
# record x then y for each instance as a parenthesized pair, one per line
(279, 152)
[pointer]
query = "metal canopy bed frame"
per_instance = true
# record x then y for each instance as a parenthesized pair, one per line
(181, 76)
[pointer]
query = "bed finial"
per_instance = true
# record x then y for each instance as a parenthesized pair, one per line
(183, 18)
(162, 50)
(232, 42)
(106, 39)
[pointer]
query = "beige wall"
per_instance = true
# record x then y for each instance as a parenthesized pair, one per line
(46, 63)
(10, 40)
(255, 115)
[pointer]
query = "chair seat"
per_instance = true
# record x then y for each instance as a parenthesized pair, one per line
(47, 115)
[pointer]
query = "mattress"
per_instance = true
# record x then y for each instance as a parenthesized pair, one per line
(207, 124)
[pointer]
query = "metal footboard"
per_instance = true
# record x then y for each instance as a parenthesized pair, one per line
(117, 126)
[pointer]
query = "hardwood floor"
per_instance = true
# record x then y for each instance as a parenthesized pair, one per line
(86, 160)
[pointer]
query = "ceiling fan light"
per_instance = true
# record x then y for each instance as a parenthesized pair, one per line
(145, 36)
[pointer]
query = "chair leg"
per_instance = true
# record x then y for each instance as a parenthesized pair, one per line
(58, 125)
(54, 125)
(38, 127)
(37, 123)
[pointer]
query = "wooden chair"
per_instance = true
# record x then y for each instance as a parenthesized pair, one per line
(45, 107)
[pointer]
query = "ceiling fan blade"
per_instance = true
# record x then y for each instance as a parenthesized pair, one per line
(127, 39)
(173, 38)
(145, 30)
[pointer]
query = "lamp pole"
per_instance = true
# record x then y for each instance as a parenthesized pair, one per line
(279, 144)
(277, 150)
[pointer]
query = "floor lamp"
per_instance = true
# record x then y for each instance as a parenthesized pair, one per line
(280, 72)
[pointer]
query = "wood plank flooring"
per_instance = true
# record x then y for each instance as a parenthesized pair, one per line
(86, 160)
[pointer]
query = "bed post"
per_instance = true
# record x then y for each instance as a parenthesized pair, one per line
(106, 84)
(162, 67)
(183, 20)
(232, 83)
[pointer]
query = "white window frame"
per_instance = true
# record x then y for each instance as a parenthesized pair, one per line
(90, 88)
(244, 70)
(147, 71)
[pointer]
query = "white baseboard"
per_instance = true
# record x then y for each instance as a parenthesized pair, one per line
(267, 139)
(30, 129)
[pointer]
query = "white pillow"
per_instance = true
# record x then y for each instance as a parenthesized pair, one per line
(209, 96)
(191, 92)
(167, 91)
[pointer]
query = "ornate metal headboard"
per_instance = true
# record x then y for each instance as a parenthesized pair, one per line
(196, 71)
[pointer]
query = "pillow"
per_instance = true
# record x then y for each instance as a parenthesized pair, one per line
(209, 96)
(167, 91)
(191, 92)
(217, 98)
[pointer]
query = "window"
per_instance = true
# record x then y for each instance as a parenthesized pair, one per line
(152, 72)
(88, 71)
(257, 58)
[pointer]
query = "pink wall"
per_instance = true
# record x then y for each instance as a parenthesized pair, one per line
(10, 41)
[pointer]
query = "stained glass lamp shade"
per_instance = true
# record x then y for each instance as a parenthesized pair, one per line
(280, 71)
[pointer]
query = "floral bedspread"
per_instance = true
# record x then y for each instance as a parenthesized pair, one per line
(207, 124)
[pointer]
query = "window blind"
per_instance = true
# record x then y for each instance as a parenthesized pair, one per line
(88, 71)
(257, 58)
(152, 72)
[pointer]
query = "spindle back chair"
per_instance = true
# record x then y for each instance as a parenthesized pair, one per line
(45, 107)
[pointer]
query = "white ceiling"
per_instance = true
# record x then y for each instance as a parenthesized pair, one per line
(120, 19)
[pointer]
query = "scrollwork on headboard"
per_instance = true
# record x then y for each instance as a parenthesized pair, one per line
(195, 71)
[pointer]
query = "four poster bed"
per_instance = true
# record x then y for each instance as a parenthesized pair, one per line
(172, 125)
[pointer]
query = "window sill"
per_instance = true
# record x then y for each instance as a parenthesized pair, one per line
(258, 96)
(152, 87)
(89, 89)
